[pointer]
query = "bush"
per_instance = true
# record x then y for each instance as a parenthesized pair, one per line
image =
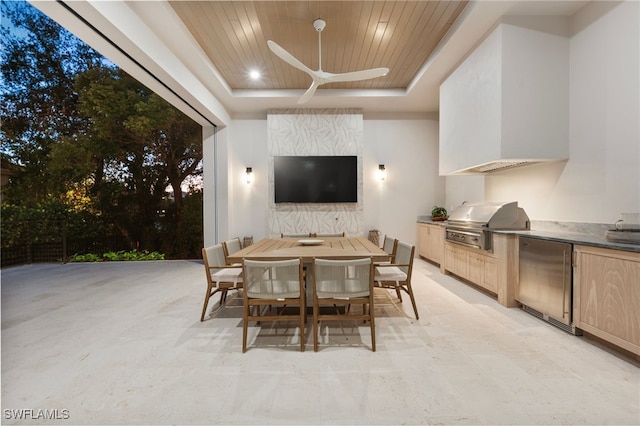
(114, 256)
(89, 257)
(46, 222)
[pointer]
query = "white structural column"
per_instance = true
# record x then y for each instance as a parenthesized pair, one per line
(209, 183)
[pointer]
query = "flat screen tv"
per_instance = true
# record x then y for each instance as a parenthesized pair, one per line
(316, 179)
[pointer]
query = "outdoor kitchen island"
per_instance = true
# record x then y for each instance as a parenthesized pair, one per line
(493, 271)
(472, 250)
(606, 274)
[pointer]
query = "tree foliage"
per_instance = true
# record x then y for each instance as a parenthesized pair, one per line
(43, 222)
(39, 65)
(82, 132)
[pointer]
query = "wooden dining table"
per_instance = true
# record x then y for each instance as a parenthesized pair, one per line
(309, 248)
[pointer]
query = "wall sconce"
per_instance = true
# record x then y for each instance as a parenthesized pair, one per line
(249, 173)
(382, 172)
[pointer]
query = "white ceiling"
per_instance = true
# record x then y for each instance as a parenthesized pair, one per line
(153, 43)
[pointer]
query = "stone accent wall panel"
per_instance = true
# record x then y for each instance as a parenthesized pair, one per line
(310, 132)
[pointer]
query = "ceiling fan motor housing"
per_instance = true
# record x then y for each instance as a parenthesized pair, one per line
(319, 24)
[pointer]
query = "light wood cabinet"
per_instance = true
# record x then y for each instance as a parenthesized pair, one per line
(431, 242)
(456, 260)
(490, 276)
(476, 266)
(607, 295)
(423, 240)
(483, 270)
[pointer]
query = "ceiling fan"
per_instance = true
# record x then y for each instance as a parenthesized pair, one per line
(322, 77)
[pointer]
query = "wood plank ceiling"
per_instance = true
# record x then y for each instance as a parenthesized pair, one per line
(400, 35)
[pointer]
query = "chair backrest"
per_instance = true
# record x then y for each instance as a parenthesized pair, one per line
(231, 246)
(343, 278)
(404, 256)
(341, 234)
(213, 256)
(390, 246)
(272, 279)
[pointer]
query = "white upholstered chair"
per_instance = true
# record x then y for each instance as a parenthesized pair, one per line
(343, 282)
(230, 247)
(397, 275)
(220, 276)
(390, 245)
(269, 284)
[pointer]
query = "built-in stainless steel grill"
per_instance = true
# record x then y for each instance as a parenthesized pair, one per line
(471, 223)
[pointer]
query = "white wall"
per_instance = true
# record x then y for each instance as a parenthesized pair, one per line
(408, 146)
(601, 179)
(249, 203)
(409, 150)
(469, 188)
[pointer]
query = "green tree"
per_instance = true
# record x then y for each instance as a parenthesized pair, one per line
(85, 133)
(39, 103)
(176, 148)
(143, 145)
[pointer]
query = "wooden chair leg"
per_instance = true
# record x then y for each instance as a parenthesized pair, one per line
(206, 303)
(315, 328)
(413, 300)
(245, 321)
(398, 291)
(373, 330)
(302, 322)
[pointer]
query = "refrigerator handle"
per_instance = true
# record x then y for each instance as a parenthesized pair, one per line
(564, 283)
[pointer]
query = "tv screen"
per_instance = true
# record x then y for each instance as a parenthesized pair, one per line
(318, 179)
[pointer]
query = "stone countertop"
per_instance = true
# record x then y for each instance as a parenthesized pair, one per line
(427, 219)
(589, 234)
(575, 238)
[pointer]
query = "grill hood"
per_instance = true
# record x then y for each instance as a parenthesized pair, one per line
(490, 214)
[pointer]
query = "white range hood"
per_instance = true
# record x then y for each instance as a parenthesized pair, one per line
(497, 166)
(507, 103)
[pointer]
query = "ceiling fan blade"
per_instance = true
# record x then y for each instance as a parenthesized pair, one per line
(358, 75)
(288, 57)
(309, 93)
(321, 77)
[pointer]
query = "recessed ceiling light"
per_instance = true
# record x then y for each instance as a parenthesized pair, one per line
(254, 74)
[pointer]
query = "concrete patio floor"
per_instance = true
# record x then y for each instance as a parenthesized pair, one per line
(121, 343)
